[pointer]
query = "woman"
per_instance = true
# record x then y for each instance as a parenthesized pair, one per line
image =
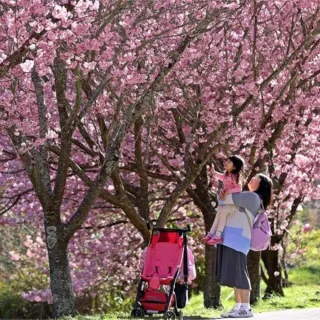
(231, 260)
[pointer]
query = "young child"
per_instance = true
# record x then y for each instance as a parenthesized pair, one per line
(231, 184)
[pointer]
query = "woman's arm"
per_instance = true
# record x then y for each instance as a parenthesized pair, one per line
(247, 199)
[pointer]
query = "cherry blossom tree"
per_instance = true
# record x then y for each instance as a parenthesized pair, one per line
(130, 112)
(74, 77)
(233, 99)
(217, 102)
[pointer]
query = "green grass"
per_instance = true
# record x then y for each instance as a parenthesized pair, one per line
(307, 275)
(304, 293)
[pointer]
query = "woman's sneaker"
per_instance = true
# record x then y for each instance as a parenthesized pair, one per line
(227, 314)
(241, 313)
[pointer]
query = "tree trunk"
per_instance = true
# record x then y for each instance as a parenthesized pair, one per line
(205, 200)
(211, 288)
(272, 262)
(60, 277)
(284, 244)
(255, 275)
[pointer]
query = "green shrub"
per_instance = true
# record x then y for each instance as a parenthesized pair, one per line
(13, 306)
(303, 247)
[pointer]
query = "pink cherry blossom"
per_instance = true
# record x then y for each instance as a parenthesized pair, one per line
(27, 65)
(165, 87)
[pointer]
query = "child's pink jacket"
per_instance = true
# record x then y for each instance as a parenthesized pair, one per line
(229, 182)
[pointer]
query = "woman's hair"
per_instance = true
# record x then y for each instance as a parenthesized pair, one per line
(238, 164)
(265, 189)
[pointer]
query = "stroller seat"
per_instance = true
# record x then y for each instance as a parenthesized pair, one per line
(162, 262)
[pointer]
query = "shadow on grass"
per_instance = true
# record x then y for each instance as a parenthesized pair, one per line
(315, 270)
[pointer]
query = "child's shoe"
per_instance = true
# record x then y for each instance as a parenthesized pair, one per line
(207, 237)
(215, 240)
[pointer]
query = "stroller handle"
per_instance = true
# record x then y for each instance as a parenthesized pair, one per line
(150, 226)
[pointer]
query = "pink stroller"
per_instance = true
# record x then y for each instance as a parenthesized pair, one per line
(158, 291)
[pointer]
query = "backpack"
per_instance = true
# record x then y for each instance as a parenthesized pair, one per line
(261, 232)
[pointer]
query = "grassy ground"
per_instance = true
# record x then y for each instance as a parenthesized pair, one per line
(304, 293)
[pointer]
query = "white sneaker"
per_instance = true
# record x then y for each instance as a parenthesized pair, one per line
(242, 313)
(227, 314)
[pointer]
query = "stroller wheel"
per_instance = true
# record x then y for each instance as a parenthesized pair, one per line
(170, 315)
(137, 313)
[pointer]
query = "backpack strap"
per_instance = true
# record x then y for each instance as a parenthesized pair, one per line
(250, 223)
(260, 212)
(262, 206)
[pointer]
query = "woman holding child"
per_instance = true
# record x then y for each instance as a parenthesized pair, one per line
(231, 259)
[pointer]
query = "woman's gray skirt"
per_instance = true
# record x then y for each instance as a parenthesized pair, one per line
(231, 268)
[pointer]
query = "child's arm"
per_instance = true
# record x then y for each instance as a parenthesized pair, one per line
(218, 175)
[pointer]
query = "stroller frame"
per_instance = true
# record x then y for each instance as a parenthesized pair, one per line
(139, 311)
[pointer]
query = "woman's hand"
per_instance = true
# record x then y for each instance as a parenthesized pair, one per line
(223, 194)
